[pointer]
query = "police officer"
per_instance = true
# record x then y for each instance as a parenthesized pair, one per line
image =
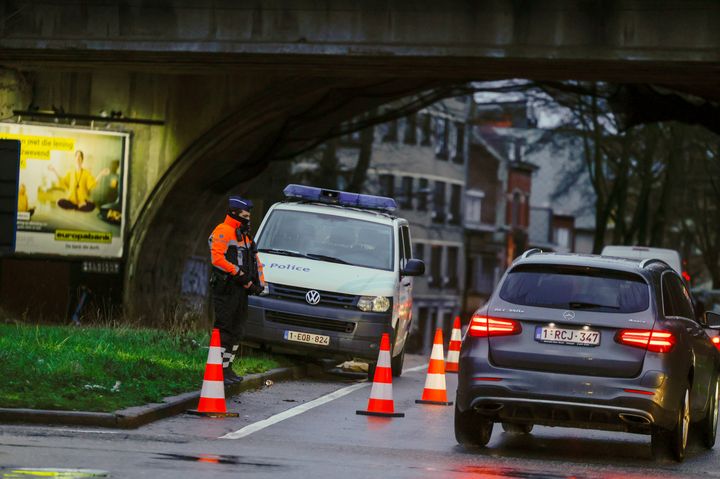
(236, 273)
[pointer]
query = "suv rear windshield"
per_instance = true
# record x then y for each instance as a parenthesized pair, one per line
(563, 287)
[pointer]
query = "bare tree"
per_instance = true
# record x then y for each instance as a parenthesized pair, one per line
(701, 215)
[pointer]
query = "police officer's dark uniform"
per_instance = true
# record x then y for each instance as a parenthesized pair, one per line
(236, 273)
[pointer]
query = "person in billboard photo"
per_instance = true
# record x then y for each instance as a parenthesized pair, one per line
(110, 209)
(24, 202)
(78, 183)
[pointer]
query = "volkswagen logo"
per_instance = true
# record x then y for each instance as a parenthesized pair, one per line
(312, 297)
(567, 315)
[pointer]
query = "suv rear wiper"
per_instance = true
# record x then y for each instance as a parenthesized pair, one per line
(583, 305)
(285, 252)
(323, 257)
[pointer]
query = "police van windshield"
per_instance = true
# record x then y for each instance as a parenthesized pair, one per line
(331, 238)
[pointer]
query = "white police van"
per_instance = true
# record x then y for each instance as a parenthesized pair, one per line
(339, 271)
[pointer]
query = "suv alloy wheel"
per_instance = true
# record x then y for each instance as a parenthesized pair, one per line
(708, 431)
(674, 441)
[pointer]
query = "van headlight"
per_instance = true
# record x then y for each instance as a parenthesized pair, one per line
(376, 304)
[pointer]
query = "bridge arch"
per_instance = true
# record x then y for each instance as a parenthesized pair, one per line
(190, 197)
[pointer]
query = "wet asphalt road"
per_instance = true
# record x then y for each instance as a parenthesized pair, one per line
(332, 441)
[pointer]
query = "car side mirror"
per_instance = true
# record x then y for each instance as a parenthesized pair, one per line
(414, 267)
(712, 320)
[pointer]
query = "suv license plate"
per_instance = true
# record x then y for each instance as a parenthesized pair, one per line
(318, 339)
(575, 337)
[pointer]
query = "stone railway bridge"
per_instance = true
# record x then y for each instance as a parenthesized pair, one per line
(240, 83)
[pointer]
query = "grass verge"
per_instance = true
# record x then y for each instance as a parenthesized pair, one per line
(103, 369)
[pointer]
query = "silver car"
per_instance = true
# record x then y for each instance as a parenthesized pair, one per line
(592, 342)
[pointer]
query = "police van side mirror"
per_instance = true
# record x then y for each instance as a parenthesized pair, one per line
(414, 267)
(712, 320)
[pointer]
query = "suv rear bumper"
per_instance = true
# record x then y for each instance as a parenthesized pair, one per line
(269, 318)
(521, 396)
(569, 414)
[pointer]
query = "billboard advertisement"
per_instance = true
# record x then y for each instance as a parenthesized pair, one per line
(71, 197)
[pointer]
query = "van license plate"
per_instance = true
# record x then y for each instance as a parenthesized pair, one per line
(575, 337)
(318, 339)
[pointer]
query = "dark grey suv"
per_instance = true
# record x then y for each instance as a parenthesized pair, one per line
(592, 342)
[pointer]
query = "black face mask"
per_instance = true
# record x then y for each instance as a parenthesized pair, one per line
(244, 222)
(244, 225)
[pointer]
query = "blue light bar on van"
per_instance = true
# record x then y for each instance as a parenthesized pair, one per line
(342, 198)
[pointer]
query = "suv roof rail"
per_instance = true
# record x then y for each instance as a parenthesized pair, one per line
(531, 252)
(647, 261)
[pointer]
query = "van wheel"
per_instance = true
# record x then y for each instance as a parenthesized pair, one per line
(674, 441)
(471, 429)
(517, 428)
(708, 426)
(396, 364)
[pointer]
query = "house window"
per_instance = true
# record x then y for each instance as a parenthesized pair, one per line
(458, 154)
(387, 185)
(438, 214)
(451, 277)
(426, 130)
(483, 273)
(422, 194)
(391, 133)
(455, 195)
(435, 264)
(516, 209)
(441, 130)
(410, 136)
(473, 207)
(562, 238)
(407, 193)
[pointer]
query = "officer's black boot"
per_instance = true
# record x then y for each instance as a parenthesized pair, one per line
(230, 377)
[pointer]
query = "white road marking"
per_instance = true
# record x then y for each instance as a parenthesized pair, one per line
(297, 410)
(247, 430)
(416, 368)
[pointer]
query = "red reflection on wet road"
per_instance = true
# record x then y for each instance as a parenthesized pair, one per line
(476, 472)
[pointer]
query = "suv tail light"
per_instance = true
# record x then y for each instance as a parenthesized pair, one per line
(654, 341)
(716, 341)
(484, 326)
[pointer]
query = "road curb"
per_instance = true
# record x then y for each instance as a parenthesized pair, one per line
(136, 416)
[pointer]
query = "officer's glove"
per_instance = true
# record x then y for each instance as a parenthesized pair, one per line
(243, 279)
(256, 289)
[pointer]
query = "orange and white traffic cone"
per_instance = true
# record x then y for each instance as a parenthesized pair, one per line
(435, 391)
(381, 398)
(212, 394)
(453, 358)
